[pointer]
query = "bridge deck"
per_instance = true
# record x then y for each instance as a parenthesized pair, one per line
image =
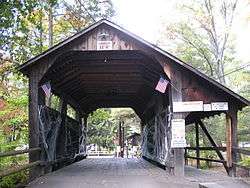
(126, 173)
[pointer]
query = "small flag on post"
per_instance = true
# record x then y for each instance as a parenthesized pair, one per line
(162, 85)
(47, 89)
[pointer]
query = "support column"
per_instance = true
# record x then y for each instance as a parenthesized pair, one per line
(123, 141)
(175, 95)
(36, 98)
(197, 144)
(85, 128)
(232, 141)
(61, 149)
(79, 119)
(120, 138)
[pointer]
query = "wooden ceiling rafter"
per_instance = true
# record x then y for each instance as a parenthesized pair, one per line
(126, 78)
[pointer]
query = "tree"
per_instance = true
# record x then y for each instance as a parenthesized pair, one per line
(101, 129)
(81, 13)
(204, 36)
(103, 125)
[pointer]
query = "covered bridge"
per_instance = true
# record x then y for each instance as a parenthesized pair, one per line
(107, 66)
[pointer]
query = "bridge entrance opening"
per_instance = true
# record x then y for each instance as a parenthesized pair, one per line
(93, 84)
(113, 132)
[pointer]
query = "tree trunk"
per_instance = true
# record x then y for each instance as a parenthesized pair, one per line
(50, 25)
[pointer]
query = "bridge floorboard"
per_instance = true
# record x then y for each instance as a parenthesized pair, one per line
(126, 173)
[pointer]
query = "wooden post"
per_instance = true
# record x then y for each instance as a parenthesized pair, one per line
(61, 149)
(85, 124)
(79, 119)
(185, 154)
(36, 98)
(232, 141)
(197, 144)
(120, 138)
(123, 140)
(175, 95)
(229, 143)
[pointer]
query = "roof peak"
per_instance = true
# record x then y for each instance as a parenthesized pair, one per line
(24, 67)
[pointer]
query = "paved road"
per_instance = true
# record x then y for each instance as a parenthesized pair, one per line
(125, 173)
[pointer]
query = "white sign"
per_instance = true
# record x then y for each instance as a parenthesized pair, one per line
(178, 133)
(190, 106)
(219, 106)
(207, 107)
(118, 148)
(104, 45)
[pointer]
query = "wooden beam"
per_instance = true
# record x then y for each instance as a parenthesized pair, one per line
(229, 143)
(18, 152)
(14, 170)
(242, 151)
(213, 144)
(206, 159)
(207, 148)
(234, 124)
(197, 145)
(36, 98)
(176, 96)
(120, 138)
(61, 139)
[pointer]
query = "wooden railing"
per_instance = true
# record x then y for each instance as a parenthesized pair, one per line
(204, 149)
(10, 171)
(235, 164)
(244, 152)
(100, 153)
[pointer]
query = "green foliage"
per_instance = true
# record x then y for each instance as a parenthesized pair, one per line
(245, 162)
(103, 126)
(101, 129)
(12, 180)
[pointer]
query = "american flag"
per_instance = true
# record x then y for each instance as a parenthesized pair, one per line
(47, 89)
(162, 85)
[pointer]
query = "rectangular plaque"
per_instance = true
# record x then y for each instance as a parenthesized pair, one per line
(189, 106)
(104, 45)
(178, 133)
(219, 106)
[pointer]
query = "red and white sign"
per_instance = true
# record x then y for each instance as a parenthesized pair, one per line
(104, 45)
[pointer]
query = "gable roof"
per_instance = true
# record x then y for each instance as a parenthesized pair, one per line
(35, 59)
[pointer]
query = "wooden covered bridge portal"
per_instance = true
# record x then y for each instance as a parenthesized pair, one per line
(107, 66)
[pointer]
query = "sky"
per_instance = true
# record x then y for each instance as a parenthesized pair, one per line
(145, 19)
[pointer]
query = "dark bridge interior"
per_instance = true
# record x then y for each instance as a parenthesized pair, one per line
(97, 79)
